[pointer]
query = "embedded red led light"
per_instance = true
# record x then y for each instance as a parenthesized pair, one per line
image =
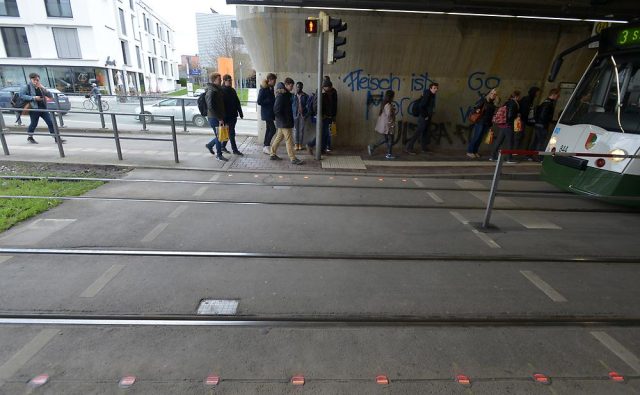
(463, 380)
(615, 376)
(212, 380)
(600, 162)
(297, 380)
(541, 378)
(382, 380)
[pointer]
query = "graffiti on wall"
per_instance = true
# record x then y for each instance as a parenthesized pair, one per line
(480, 83)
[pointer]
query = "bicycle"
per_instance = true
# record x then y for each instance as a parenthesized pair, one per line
(89, 104)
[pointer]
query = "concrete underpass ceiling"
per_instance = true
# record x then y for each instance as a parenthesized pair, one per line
(621, 10)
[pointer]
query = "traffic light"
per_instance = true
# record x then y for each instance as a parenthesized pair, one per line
(336, 26)
(311, 26)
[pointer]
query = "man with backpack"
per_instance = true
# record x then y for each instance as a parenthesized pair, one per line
(544, 115)
(283, 111)
(34, 93)
(215, 112)
(425, 111)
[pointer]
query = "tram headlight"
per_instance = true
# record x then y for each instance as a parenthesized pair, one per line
(552, 142)
(618, 151)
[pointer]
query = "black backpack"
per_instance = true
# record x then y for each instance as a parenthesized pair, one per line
(414, 107)
(312, 104)
(202, 103)
(16, 101)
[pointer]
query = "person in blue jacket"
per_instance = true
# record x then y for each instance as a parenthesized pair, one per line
(35, 93)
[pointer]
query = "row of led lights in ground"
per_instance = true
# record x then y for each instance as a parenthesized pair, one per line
(380, 179)
(299, 380)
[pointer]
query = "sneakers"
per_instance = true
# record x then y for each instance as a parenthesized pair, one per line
(266, 150)
(221, 158)
(296, 161)
(471, 156)
(275, 157)
(370, 149)
(238, 153)
(226, 151)
(310, 150)
(389, 156)
(210, 149)
(31, 140)
(492, 159)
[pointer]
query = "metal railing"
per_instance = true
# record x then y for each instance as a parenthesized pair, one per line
(114, 124)
(498, 171)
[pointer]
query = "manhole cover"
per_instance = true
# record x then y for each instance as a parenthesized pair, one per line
(217, 307)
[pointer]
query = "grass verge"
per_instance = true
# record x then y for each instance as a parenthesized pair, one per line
(13, 211)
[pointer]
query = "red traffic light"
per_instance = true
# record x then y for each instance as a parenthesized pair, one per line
(311, 25)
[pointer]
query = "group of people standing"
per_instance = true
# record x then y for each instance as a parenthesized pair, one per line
(513, 122)
(223, 108)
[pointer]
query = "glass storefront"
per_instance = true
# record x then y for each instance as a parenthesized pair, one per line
(65, 79)
(12, 76)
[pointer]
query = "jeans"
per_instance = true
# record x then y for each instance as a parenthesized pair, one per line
(422, 132)
(479, 131)
(286, 134)
(326, 122)
(539, 142)
(232, 133)
(386, 139)
(505, 136)
(35, 117)
(270, 132)
(298, 127)
(214, 123)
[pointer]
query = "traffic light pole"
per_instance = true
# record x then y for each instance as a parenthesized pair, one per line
(319, 119)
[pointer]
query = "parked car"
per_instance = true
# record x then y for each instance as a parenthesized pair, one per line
(173, 107)
(7, 92)
(198, 92)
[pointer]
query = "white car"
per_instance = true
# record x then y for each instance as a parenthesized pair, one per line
(198, 92)
(173, 106)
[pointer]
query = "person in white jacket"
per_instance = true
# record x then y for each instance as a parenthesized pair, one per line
(386, 124)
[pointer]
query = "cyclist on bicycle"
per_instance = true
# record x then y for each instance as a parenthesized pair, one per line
(95, 93)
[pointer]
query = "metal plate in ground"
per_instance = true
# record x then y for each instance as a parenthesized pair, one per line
(217, 307)
(343, 162)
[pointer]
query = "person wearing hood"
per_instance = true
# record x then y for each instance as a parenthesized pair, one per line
(215, 113)
(266, 100)
(527, 115)
(232, 108)
(283, 111)
(329, 111)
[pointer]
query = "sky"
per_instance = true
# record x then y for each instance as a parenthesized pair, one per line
(181, 16)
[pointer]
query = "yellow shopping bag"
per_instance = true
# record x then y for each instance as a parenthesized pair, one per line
(223, 133)
(333, 129)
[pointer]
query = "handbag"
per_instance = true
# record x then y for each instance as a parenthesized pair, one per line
(223, 133)
(475, 115)
(488, 139)
(333, 129)
(517, 125)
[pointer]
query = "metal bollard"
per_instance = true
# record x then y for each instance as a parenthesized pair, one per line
(57, 136)
(5, 147)
(175, 139)
(57, 99)
(492, 193)
(184, 117)
(99, 99)
(144, 119)
(116, 135)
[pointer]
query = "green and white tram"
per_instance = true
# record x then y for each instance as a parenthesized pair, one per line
(601, 117)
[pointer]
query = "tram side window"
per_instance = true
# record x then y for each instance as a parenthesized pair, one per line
(596, 100)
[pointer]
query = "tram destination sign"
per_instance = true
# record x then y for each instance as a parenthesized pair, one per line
(628, 37)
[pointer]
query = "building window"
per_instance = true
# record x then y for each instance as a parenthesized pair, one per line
(164, 71)
(234, 24)
(237, 40)
(169, 37)
(133, 26)
(125, 52)
(58, 8)
(165, 51)
(159, 30)
(138, 56)
(154, 47)
(152, 65)
(144, 20)
(9, 8)
(15, 42)
(131, 4)
(67, 43)
(123, 27)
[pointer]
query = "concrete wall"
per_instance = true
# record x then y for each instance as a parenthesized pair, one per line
(466, 56)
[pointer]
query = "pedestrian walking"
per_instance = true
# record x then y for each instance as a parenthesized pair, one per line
(503, 121)
(232, 109)
(386, 124)
(333, 94)
(34, 93)
(266, 100)
(283, 110)
(544, 115)
(18, 104)
(486, 105)
(527, 115)
(215, 113)
(300, 115)
(426, 108)
(329, 111)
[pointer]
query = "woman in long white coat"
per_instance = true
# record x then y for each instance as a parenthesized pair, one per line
(386, 124)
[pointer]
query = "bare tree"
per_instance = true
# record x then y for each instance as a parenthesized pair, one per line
(227, 43)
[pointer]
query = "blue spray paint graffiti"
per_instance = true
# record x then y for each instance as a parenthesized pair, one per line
(477, 82)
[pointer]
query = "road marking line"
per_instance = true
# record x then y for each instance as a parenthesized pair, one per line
(27, 352)
(435, 197)
(467, 184)
(155, 232)
(418, 183)
(200, 191)
(93, 289)
(214, 177)
(5, 258)
(484, 198)
(150, 152)
(615, 347)
(543, 286)
(179, 210)
(89, 149)
(482, 236)
(532, 221)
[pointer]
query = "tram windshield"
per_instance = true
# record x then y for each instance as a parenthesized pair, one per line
(596, 99)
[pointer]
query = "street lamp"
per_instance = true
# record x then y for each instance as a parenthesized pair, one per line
(241, 81)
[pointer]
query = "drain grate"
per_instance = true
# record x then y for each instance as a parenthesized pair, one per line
(218, 307)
